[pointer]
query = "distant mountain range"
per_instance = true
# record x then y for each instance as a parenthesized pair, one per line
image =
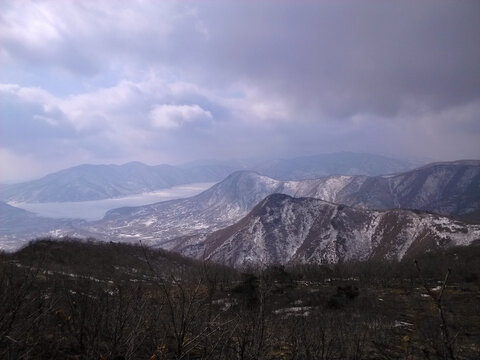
(240, 221)
(96, 182)
(447, 188)
(342, 163)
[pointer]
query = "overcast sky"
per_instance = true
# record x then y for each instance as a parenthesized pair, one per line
(109, 81)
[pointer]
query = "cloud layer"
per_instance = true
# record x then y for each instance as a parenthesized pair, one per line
(106, 81)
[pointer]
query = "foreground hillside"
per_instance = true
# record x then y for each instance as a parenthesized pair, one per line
(72, 300)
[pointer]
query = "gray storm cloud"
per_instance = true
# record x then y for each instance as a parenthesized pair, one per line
(97, 81)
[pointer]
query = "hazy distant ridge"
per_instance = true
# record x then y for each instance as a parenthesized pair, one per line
(97, 182)
(341, 163)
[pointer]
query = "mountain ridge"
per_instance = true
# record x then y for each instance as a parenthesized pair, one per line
(95, 182)
(453, 188)
(228, 201)
(284, 230)
(339, 163)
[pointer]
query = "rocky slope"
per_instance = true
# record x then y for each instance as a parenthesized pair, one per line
(282, 229)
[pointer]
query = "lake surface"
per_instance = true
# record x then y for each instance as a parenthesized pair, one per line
(96, 209)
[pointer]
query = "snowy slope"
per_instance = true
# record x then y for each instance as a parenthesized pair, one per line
(282, 229)
(451, 188)
(215, 208)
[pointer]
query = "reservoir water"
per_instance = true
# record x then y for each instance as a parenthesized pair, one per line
(95, 209)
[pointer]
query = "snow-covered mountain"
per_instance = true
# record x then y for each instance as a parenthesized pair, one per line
(96, 182)
(282, 229)
(215, 208)
(451, 188)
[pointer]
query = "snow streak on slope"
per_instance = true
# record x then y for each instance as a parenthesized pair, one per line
(282, 229)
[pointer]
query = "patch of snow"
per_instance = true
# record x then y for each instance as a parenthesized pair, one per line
(401, 324)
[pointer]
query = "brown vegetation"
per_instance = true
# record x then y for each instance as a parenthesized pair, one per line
(87, 300)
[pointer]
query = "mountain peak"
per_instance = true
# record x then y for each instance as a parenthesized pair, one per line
(282, 230)
(242, 174)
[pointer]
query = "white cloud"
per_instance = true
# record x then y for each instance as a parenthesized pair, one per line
(102, 79)
(173, 116)
(89, 36)
(29, 94)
